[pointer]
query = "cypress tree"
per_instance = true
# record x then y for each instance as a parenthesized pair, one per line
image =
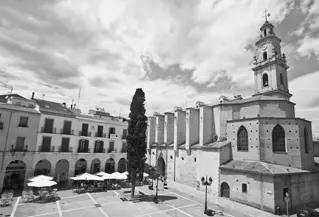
(136, 138)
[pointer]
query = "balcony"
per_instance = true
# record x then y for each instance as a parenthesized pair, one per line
(87, 134)
(99, 150)
(67, 132)
(67, 149)
(113, 136)
(83, 150)
(124, 150)
(23, 125)
(15, 149)
(45, 130)
(46, 149)
(103, 135)
(112, 150)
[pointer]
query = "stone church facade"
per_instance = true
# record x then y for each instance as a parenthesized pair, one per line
(254, 149)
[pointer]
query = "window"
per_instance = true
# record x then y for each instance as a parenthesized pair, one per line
(1, 125)
(23, 122)
(281, 79)
(244, 188)
(67, 127)
(278, 139)
(99, 131)
(265, 32)
(124, 133)
(242, 139)
(111, 147)
(46, 144)
(285, 191)
(306, 140)
(20, 143)
(112, 130)
(48, 125)
(124, 147)
(65, 144)
(265, 55)
(265, 80)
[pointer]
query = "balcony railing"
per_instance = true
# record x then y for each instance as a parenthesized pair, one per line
(67, 149)
(66, 132)
(113, 136)
(83, 150)
(88, 134)
(124, 150)
(99, 150)
(112, 150)
(15, 149)
(43, 130)
(50, 149)
(100, 134)
(23, 125)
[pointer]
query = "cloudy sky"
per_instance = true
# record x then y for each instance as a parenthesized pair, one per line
(178, 51)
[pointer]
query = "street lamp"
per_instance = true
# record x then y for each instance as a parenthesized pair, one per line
(158, 177)
(206, 182)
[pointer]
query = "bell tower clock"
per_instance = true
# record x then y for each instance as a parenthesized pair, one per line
(270, 65)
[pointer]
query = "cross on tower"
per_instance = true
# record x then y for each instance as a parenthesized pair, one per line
(266, 15)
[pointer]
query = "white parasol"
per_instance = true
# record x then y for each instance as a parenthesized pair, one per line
(125, 173)
(101, 173)
(145, 175)
(118, 175)
(40, 177)
(42, 183)
(87, 176)
(107, 176)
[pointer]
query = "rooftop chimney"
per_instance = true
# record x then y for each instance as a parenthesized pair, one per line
(64, 104)
(32, 95)
(71, 106)
(74, 105)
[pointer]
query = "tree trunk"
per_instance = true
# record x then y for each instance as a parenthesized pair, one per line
(133, 181)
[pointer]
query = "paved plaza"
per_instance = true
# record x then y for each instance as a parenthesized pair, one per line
(109, 204)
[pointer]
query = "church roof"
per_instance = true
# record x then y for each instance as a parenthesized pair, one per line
(256, 98)
(261, 167)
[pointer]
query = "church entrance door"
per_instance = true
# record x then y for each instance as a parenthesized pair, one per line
(225, 190)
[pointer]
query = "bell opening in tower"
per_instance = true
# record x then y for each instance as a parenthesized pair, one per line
(265, 55)
(265, 80)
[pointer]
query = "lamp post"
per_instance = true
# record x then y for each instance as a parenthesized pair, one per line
(206, 182)
(161, 178)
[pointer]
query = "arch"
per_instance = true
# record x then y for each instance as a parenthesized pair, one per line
(122, 165)
(62, 170)
(265, 32)
(110, 165)
(265, 80)
(43, 167)
(80, 166)
(161, 166)
(278, 139)
(14, 175)
(225, 191)
(242, 139)
(265, 55)
(281, 78)
(305, 132)
(95, 166)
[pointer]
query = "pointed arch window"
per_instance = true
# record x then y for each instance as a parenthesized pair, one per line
(265, 32)
(306, 140)
(265, 80)
(242, 139)
(278, 139)
(265, 55)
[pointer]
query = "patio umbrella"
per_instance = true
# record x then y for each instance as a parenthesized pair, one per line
(145, 175)
(42, 183)
(101, 173)
(125, 173)
(40, 177)
(119, 176)
(107, 176)
(88, 177)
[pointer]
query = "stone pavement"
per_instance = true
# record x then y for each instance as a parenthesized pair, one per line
(228, 206)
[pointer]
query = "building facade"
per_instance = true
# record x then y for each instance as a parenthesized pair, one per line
(59, 141)
(256, 151)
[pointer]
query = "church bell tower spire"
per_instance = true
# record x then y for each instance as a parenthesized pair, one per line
(270, 64)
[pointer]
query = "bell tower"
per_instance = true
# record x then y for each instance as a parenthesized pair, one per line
(270, 65)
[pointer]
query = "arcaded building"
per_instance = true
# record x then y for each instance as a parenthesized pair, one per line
(254, 149)
(44, 137)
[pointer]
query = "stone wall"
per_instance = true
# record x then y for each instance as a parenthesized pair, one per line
(260, 189)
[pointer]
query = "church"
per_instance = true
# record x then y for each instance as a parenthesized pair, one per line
(255, 150)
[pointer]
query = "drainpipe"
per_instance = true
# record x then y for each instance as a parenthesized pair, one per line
(7, 136)
(174, 165)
